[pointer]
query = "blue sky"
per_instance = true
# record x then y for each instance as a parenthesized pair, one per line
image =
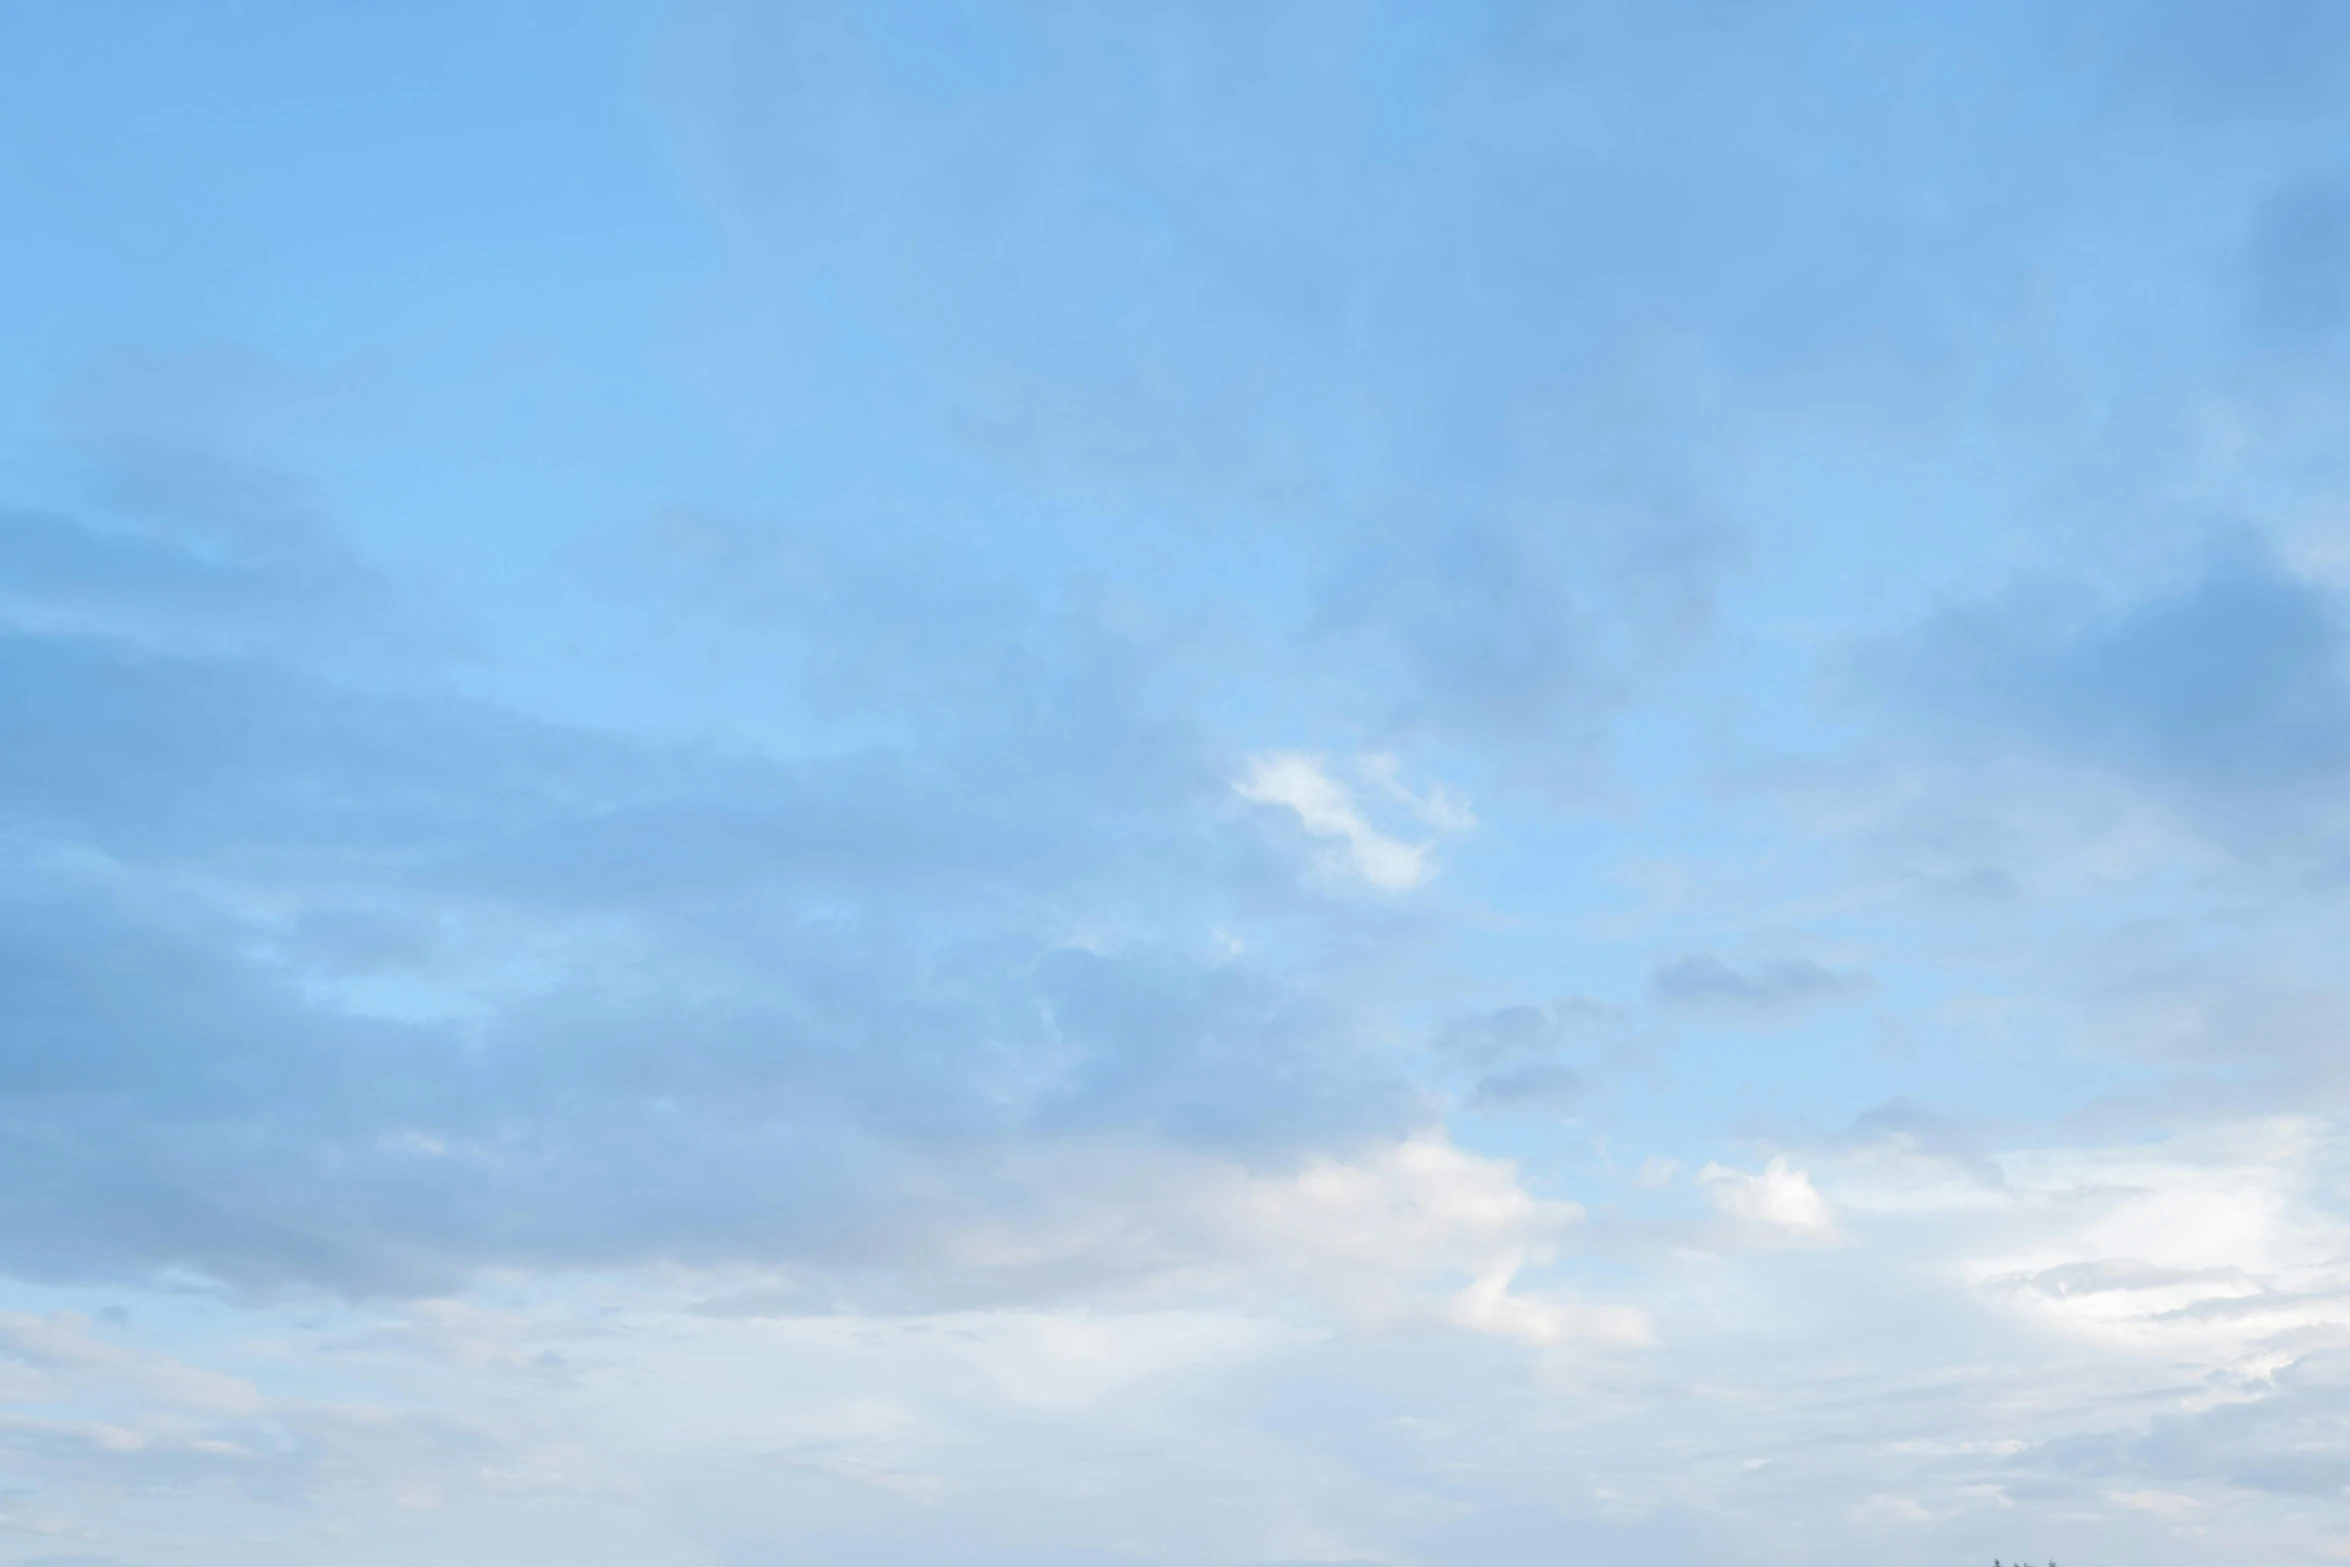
(1256, 785)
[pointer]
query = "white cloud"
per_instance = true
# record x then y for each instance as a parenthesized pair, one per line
(49, 1354)
(1419, 1203)
(1326, 809)
(1772, 1395)
(1490, 1306)
(1779, 1198)
(2212, 1248)
(1421, 1230)
(85, 1414)
(2206, 1247)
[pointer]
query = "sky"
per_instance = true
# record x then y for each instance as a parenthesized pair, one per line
(1494, 782)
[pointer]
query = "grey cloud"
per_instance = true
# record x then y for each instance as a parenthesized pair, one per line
(2227, 695)
(1548, 1084)
(1527, 1031)
(1521, 507)
(2298, 263)
(1923, 1131)
(2288, 1438)
(1702, 982)
(1491, 637)
(179, 546)
(1515, 1051)
(2105, 1275)
(169, 1102)
(1522, 636)
(314, 982)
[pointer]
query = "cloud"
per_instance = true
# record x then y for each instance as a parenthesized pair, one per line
(83, 1411)
(1489, 1306)
(1552, 1084)
(1423, 1203)
(64, 1346)
(1702, 982)
(1527, 536)
(1408, 1234)
(2226, 694)
(831, 966)
(1777, 1198)
(1378, 1237)
(1914, 1129)
(160, 544)
(1522, 635)
(1516, 1052)
(2211, 1246)
(2297, 265)
(1526, 1031)
(1808, 1412)
(388, 983)
(1326, 809)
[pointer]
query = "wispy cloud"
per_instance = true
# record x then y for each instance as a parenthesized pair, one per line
(1326, 808)
(1702, 981)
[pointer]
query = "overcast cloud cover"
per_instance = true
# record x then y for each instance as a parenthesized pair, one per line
(1422, 784)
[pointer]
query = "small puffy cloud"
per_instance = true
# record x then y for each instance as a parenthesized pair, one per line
(1779, 1198)
(1326, 809)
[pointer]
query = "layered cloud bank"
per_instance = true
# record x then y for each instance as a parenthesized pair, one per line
(903, 784)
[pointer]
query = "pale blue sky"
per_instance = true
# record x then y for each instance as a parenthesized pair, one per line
(1061, 784)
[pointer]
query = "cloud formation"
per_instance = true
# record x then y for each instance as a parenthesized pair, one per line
(365, 967)
(720, 828)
